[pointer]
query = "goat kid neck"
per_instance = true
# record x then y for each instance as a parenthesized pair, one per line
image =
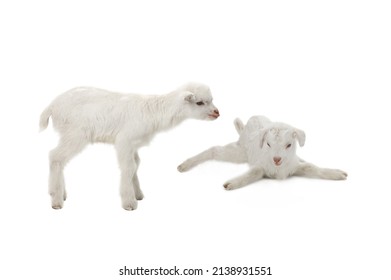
(161, 112)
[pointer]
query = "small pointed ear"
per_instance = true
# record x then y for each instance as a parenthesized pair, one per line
(300, 136)
(238, 125)
(262, 137)
(189, 97)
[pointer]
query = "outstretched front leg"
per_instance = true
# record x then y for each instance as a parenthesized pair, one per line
(310, 170)
(231, 153)
(251, 176)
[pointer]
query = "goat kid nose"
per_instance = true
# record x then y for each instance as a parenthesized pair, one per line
(276, 160)
(216, 112)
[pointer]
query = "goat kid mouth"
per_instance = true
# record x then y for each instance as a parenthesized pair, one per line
(213, 116)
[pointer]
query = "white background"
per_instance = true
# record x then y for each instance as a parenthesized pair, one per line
(323, 66)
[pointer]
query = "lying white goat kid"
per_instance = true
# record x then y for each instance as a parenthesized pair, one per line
(87, 115)
(270, 150)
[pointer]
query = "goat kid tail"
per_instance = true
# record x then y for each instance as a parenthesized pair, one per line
(238, 125)
(44, 119)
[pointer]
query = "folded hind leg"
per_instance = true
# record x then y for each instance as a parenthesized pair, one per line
(230, 153)
(67, 148)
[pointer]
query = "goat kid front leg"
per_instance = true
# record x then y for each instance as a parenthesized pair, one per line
(127, 163)
(251, 176)
(57, 184)
(310, 170)
(230, 153)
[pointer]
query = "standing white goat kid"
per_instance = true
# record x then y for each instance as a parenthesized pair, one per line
(87, 115)
(270, 150)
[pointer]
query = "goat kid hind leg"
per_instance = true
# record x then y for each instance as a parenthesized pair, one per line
(310, 170)
(67, 148)
(229, 153)
(127, 164)
(137, 190)
(251, 176)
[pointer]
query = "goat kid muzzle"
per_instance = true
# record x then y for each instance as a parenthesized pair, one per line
(277, 161)
(215, 114)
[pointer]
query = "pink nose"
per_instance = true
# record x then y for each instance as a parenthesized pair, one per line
(277, 160)
(216, 112)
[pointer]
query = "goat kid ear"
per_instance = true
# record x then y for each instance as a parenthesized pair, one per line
(262, 137)
(300, 136)
(238, 125)
(190, 97)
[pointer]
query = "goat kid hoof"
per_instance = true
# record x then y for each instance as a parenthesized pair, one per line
(336, 174)
(183, 167)
(57, 207)
(57, 203)
(140, 197)
(341, 175)
(228, 186)
(130, 206)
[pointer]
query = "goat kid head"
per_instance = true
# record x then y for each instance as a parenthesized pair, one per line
(199, 102)
(279, 144)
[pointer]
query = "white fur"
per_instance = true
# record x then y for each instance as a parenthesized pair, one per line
(270, 150)
(87, 115)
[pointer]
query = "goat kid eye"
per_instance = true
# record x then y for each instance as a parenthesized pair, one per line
(288, 146)
(200, 103)
(268, 144)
